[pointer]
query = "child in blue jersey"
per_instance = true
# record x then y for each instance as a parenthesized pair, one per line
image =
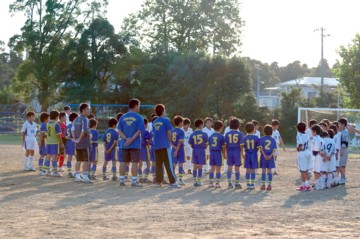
(268, 147)
(94, 155)
(44, 119)
(144, 154)
(178, 149)
(216, 145)
(110, 141)
(119, 148)
(152, 151)
(251, 144)
(234, 146)
(70, 144)
(198, 141)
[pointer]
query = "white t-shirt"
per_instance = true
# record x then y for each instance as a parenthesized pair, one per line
(337, 139)
(187, 136)
(29, 129)
(209, 132)
(257, 133)
(329, 146)
(317, 143)
(150, 127)
(276, 136)
(67, 119)
(304, 140)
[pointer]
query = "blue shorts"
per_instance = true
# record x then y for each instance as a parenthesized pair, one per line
(233, 157)
(110, 156)
(70, 147)
(267, 163)
(119, 154)
(215, 158)
(52, 149)
(251, 160)
(42, 150)
(94, 154)
(180, 158)
(152, 154)
(144, 156)
(198, 156)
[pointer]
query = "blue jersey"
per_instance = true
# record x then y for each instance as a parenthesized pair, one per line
(216, 142)
(145, 138)
(251, 143)
(68, 134)
(161, 126)
(178, 137)
(129, 124)
(268, 144)
(233, 140)
(198, 139)
(110, 137)
(94, 137)
(152, 141)
(43, 130)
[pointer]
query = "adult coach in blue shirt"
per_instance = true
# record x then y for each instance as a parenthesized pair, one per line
(162, 138)
(130, 127)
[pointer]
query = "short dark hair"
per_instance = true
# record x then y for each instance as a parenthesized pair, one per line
(83, 106)
(154, 118)
(268, 130)
(235, 123)
(255, 122)
(29, 114)
(336, 123)
(178, 120)
(187, 121)
(93, 122)
(343, 121)
(323, 124)
(119, 115)
(208, 119)
(218, 125)
(331, 133)
(334, 128)
(324, 134)
(62, 114)
(112, 122)
(91, 116)
(316, 128)
(67, 108)
(275, 122)
(249, 127)
(54, 114)
(146, 121)
(159, 109)
(326, 121)
(73, 116)
(199, 123)
(301, 127)
(312, 122)
(44, 116)
(133, 102)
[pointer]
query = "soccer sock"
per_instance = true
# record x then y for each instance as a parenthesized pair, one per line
(31, 159)
(329, 179)
(127, 169)
(147, 172)
(25, 162)
(104, 170)
(247, 176)
(61, 160)
(211, 177)
(195, 175)
(122, 179)
(68, 165)
(252, 176)
(263, 178)
(93, 169)
(133, 179)
(46, 165)
(41, 163)
(113, 170)
(153, 170)
(189, 164)
(200, 171)
(144, 164)
(237, 177)
(85, 174)
(218, 177)
(140, 172)
(229, 176)
(54, 166)
(181, 171)
(270, 176)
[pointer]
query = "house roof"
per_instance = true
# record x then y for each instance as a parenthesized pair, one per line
(310, 81)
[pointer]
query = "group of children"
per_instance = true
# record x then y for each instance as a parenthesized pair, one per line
(322, 149)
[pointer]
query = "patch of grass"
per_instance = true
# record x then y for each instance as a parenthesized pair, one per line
(10, 139)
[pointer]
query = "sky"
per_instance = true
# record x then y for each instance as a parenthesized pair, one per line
(275, 30)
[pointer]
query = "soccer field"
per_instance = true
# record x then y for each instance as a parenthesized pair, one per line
(39, 207)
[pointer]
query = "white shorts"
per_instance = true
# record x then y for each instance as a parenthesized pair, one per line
(330, 166)
(304, 162)
(188, 151)
(318, 165)
(337, 161)
(207, 151)
(30, 143)
(277, 152)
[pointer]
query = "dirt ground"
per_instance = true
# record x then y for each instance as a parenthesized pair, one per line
(38, 207)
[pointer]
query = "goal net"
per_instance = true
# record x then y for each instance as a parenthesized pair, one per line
(333, 114)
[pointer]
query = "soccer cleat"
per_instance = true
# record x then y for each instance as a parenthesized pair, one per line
(196, 184)
(141, 180)
(342, 181)
(189, 171)
(301, 188)
(164, 182)
(114, 178)
(230, 186)
(85, 179)
(41, 173)
(136, 185)
(262, 188)
(217, 185)
(269, 188)
(275, 173)
(25, 169)
(181, 182)
(174, 185)
(32, 169)
(211, 185)
(122, 184)
(145, 180)
(158, 185)
(308, 188)
(105, 178)
(55, 174)
(70, 175)
(200, 184)
(77, 178)
(238, 186)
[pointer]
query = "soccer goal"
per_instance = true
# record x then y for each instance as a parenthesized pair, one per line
(332, 114)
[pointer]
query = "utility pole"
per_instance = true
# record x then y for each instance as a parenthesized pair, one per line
(322, 57)
(257, 84)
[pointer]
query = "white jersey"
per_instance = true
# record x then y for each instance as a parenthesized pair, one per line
(29, 129)
(209, 132)
(304, 140)
(67, 119)
(337, 139)
(317, 144)
(329, 146)
(276, 136)
(187, 136)
(150, 127)
(227, 130)
(257, 133)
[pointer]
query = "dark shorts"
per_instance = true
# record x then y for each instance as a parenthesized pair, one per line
(215, 158)
(251, 160)
(131, 155)
(111, 156)
(144, 154)
(234, 158)
(83, 155)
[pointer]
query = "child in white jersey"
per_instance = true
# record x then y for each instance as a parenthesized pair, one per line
(29, 142)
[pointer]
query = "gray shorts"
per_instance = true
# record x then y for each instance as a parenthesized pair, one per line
(344, 158)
